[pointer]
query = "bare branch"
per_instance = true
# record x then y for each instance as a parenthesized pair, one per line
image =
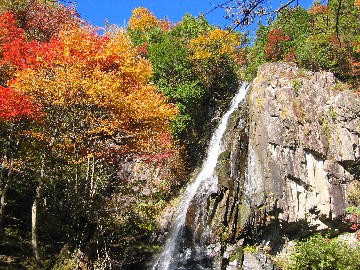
(245, 12)
(284, 6)
(218, 6)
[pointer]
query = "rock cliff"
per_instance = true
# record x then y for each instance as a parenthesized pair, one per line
(290, 160)
(304, 145)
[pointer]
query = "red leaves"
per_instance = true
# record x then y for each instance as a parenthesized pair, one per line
(28, 54)
(17, 51)
(143, 49)
(274, 49)
(16, 106)
(8, 28)
(43, 21)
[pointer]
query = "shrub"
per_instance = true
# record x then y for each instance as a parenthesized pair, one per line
(318, 252)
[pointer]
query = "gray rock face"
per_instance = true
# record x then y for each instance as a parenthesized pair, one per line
(256, 261)
(304, 139)
(288, 165)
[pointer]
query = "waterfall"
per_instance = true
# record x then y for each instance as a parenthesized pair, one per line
(204, 183)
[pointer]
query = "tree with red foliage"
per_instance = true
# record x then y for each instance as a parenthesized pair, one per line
(17, 111)
(16, 106)
(42, 21)
(17, 51)
(274, 49)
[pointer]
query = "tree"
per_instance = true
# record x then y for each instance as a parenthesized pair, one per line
(99, 108)
(142, 20)
(41, 19)
(197, 69)
(16, 106)
(16, 113)
(323, 37)
(215, 44)
(274, 49)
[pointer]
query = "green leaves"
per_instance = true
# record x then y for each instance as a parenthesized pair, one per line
(323, 37)
(182, 73)
(318, 252)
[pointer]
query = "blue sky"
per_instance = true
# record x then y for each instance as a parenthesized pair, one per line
(119, 11)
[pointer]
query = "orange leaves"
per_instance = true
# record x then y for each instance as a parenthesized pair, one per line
(84, 82)
(318, 9)
(215, 44)
(105, 77)
(143, 20)
(80, 46)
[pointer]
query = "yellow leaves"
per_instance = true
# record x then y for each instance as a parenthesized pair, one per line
(147, 106)
(215, 44)
(142, 19)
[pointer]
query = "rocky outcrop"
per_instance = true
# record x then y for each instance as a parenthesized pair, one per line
(290, 160)
(303, 148)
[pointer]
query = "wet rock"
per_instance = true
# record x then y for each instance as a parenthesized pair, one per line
(285, 171)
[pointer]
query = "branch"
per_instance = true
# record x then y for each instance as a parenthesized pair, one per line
(285, 5)
(218, 6)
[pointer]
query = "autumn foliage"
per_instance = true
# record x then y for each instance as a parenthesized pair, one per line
(74, 105)
(43, 20)
(103, 73)
(216, 43)
(17, 51)
(318, 9)
(80, 67)
(324, 37)
(275, 47)
(143, 19)
(16, 106)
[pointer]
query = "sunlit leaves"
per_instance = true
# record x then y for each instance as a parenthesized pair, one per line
(274, 49)
(74, 105)
(216, 43)
(105, 74)
(323, 37)
(17, 51)
(42, 21)
(142, 19)
(318, 9)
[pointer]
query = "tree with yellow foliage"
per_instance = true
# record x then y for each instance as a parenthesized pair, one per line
(215, 44)
(142, 19)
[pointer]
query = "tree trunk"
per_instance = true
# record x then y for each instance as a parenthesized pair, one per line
(34, 226)
(4, 192)
(34, 215)
(337, 21)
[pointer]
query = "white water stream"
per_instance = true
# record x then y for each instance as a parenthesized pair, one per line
(203, 182)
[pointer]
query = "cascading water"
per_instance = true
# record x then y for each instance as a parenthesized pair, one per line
(204, 184)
